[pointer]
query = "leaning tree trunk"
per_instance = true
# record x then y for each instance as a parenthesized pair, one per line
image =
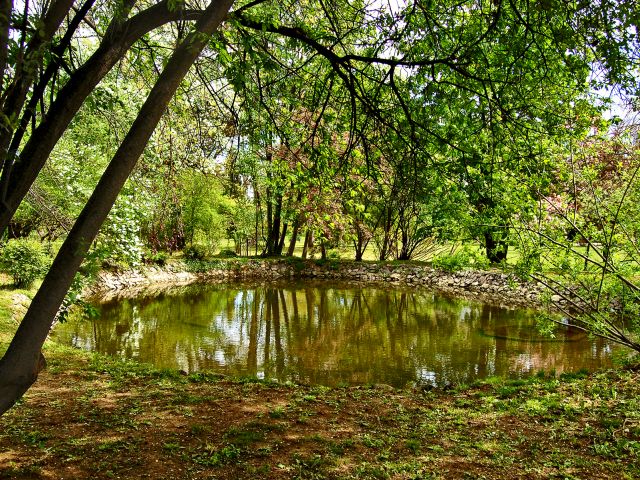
(25, 70)
(21, 363)
(16, 179)
(5, 21)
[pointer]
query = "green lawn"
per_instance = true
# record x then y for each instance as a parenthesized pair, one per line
(135, 421)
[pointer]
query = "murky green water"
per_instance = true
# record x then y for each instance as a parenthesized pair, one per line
(330, 334)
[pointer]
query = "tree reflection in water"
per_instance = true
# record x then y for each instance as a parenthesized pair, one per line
(330, 334)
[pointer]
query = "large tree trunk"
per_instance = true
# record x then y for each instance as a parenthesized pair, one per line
(25, 70)
(359, 249)
(57, 53)
(5, 17)
(274, 220)
(268, 248)
(283, 236)
(274, 235)
(405, 247)
(308, 244)
(294, 237)
(20, 365)
(496, 246)
(17, 179)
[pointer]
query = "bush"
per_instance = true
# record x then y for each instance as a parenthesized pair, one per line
(118, 246)
(333, 254)
(460, 260)
(227, 254)
(157, 258)
(194, 252)
(25, 260)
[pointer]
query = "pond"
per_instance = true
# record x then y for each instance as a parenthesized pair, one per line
(331, 334)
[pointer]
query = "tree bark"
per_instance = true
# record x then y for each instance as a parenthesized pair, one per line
(25, 72)
(274, 234)
(405, 250)
(268, 248)
(20, 365)
(17, 179)
(5, 16)
(274, 221)
(308, 241)
(359, 250)
(496, 246)
(39, 89)
(294, 238)
(283, 236)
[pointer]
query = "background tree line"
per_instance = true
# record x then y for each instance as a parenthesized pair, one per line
(402, 127)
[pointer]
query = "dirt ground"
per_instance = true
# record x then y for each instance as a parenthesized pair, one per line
(94, 417)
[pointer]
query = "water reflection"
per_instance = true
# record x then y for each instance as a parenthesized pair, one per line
(323, 333)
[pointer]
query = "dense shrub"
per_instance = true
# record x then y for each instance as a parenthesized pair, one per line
(464, 258)
(156, 258)
(118, 246)
(226, 253)
(25, 260)
(194, 252)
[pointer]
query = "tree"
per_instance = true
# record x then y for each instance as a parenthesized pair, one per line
(19, 170)
(21, 363)
(585, 246)
(453, 82)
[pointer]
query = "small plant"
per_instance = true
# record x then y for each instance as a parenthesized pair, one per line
(211, 457)
(171, 446)
(413, 445)
(333, 254)
(528, 263)
(35, 438)
(25, 260)
(194, 252)
(454, 262)
(156, 258)
(227, 254)
(199, 429)
(277, 412)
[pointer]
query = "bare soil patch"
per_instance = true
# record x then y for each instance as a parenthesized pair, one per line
(93, 417)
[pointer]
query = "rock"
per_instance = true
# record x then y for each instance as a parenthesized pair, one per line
(492, 286)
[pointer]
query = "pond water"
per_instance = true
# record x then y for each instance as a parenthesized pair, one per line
(331, 334)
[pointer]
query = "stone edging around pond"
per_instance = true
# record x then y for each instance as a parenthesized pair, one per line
(491, 286)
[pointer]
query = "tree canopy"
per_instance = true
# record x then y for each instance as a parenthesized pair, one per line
(403, 123)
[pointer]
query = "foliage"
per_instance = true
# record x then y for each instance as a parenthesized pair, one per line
(583, 245)
(242, 224)
(226, 254)
(205, 211)
(119, 243)
(25, 259)
(157, 258)
(73, 300)
(287, 101)
(459, 260)
(195, 252)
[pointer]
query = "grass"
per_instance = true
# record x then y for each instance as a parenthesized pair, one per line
(13, 302)
(136, 421)
(574, 426)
